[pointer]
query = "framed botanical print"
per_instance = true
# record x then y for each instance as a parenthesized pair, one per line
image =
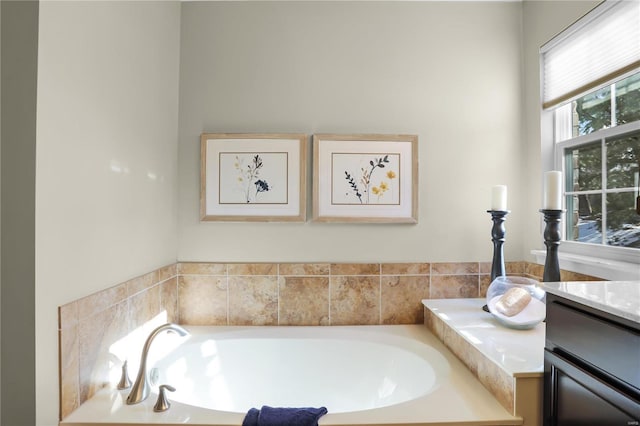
(253, 177)
(365, 178)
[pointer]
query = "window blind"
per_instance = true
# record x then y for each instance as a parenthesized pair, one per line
(602, 45)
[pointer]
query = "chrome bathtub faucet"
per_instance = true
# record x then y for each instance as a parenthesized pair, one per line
(163, 404)
(124, 383)
(140, 389)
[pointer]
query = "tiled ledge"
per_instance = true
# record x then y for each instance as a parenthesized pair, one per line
(509, 363)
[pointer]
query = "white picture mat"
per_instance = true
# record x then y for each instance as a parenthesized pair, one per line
(380, 148)
(239, 176)
(380, 189)
(214, 147)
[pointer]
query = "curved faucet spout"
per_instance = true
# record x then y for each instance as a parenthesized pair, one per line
(140, 389)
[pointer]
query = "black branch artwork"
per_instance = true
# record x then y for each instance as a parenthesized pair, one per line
(366, 178)
(353, 185)
(251, 176)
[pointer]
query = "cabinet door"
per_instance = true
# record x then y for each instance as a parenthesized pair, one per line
(574, 397)
(610, 347)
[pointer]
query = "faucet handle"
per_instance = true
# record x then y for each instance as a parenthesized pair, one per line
(163, 403)
(124, 383)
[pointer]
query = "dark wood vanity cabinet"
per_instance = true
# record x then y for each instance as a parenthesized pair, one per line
(591, 367)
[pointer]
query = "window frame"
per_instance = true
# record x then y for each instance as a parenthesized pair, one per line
(598, 258)
(601, 260)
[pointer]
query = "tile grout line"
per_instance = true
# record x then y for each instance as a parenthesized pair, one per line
(430, 275)
(329, 296)
(227, 284)
(380, 294)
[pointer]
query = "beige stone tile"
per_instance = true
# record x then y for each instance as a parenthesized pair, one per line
(355, 300)
(304, 269)
(303, 300)
(401, 299)
(97, 356)
(575, 276)
(167, 272)
(406, 268)
(198, 268)
(515, 268)
(435, 324)
(253, 300)
(355, 269)
(572, 276)
(141, 283)
(101, 300)
(69, 370)
(454, 286)
(169, 298)
(469, 355)
(593, 278)
(253, 269)
(485, 282)
(202, 299)
(492, 377)
(454, 268)
(68, 315)
(534, 271)
(144, 307)
(499, 383)
(485, 267)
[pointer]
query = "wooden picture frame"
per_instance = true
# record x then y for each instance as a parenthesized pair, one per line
(365, 178)
(248, 177)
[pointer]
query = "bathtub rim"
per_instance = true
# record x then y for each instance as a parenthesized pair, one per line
(474, 405)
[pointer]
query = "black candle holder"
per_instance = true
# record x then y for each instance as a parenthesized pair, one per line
(498, 232)
(552, 237)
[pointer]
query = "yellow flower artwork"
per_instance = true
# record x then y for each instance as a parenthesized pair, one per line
(359, 185)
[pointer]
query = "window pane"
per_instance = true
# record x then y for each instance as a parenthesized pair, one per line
(623, 161)
(628, 99)
(593, 111)
(584, 221)
(623, 223)
(584, 167)
(618, 157)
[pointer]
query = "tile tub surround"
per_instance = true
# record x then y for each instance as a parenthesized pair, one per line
(317, 293)
(202, 293)
(509, 363)
(89, 327)
(328, 293)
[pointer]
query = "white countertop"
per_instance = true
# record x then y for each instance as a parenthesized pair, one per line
(619, 298)
(518, 352)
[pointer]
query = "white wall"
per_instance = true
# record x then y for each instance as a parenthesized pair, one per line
(106, 157)
(542, 21)
(449, 72)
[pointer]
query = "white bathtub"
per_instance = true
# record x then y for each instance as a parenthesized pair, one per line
(363, 375)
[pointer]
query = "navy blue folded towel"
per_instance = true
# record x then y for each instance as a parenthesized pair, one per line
(270, 416)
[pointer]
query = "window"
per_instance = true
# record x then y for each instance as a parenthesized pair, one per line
(599, 144)
(591, 91)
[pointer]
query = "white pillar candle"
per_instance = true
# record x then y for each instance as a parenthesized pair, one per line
(552, 190)
(499, 198)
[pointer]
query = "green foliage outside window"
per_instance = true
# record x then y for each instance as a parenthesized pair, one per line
(584, 165)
